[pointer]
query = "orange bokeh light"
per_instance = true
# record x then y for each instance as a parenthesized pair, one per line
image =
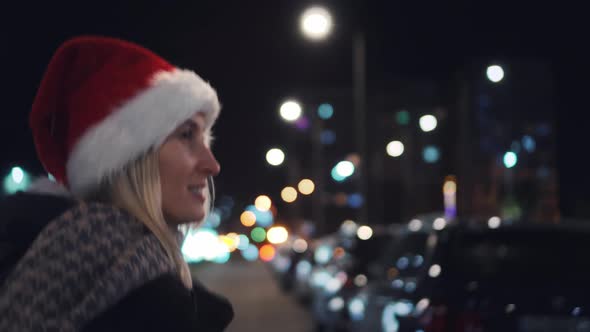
(267, 252)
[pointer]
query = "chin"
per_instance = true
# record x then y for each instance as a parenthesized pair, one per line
(188, 218)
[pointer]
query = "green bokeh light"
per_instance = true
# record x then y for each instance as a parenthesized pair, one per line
(402, 118)
(17, 180)
(258, 234)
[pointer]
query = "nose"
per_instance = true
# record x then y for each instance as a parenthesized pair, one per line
(209, 163)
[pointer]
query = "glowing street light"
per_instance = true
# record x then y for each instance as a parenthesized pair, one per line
(275, 157)
(495, 73)
(428, 123)
(290, 111)
(395, 148)
(316, 23)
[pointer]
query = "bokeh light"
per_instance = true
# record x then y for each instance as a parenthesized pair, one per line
(289, 194)
(229, 242)
(428, 122)
(348, 228)
(275, 156)
(325, 111)
(263, 203)
(277, 235)
(364, 232)
(434, 270)
(306, 187)
(495, 73)
(248, 218)
(17, 174)
(395, 148)
(243, 242)
(494, 222)
(327, 137)
(213, 219)
(290, 110)
(323, 254)
(431, 154)
(402, 117)
(316, 23)
(344, 169)
(300, 246)
(204, 244)
(250, 253)
(17, 180)
(302, 123)
(355, 200)
(267, 252)
(528, 143)
(510, 159)
(450, 187)
(415, 225)
(258, 234)
(439, 224)
(340, 199)
(354, 158)
(263, 218)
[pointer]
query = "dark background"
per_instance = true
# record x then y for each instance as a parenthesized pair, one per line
(254, 55)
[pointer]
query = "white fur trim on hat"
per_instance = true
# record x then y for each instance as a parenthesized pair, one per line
(141, 123)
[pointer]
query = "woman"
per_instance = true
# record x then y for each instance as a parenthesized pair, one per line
(128, 135)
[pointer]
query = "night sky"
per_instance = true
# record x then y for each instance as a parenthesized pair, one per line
(253, 54)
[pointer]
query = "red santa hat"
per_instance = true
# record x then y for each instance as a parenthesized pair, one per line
(103, 102)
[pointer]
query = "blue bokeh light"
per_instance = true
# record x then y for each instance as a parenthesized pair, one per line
(325, 111)
(355, 200)
(327, 137)
(251, 253)
(431, 154)
(263, 218)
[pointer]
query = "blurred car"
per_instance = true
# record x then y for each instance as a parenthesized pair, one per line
(349, 269)
(524, 277)
(318, 254)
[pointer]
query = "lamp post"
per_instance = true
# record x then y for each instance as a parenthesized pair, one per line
(316, 25)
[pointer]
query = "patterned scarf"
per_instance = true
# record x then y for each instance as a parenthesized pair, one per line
(82, 263)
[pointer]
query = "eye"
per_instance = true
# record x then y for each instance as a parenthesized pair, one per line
(187, 133)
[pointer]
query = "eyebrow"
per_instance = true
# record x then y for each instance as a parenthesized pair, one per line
(192, 124)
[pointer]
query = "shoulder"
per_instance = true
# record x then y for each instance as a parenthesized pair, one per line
(163, 304)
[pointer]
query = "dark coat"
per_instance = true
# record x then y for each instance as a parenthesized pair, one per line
(161, 304)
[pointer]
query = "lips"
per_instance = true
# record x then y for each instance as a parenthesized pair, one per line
(197, 191)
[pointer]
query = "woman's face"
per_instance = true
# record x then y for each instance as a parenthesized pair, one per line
(185, 162)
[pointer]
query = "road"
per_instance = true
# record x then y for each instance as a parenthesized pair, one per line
(259, 304)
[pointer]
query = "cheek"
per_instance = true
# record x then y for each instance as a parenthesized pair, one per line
(174, 171)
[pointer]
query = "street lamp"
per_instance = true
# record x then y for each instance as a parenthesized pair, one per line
(428, 122)
(316, 23)
(275, 156)
(495, 73)
(290, 111)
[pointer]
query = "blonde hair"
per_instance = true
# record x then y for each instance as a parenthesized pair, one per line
(136, 189)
